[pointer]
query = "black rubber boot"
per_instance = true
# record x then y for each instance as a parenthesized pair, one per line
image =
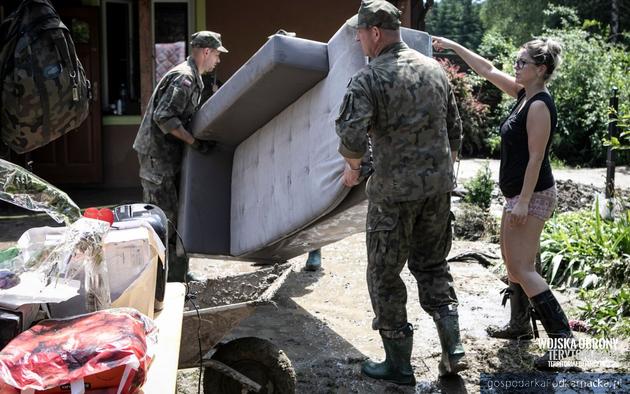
(396, 368)
(178, 270)
(552, 317)
(519, 326)
(453, 355)
(177, 265)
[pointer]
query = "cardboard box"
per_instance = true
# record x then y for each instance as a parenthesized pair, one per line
(132, 256)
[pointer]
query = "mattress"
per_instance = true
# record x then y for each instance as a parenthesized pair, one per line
(272, 190)
(292, 162)
(277, 74)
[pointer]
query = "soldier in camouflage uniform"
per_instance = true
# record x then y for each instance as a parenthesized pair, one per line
(404, 101)
(163, 133)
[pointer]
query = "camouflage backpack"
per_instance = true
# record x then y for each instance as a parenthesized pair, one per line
(44, 92)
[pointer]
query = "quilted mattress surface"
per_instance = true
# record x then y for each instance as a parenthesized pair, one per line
(287, 175)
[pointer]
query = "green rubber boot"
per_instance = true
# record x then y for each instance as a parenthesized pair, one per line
(453, 356)
(397, 367)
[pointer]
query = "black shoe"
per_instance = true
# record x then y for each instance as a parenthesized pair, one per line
(519, 326)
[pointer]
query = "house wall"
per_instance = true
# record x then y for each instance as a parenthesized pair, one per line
(245, 26)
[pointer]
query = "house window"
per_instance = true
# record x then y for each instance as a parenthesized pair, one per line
(172, 27)
(121, 74)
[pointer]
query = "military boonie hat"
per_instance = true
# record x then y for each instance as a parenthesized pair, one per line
(207, 39)
(379, 13)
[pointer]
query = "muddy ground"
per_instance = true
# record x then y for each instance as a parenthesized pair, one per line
(322, 320)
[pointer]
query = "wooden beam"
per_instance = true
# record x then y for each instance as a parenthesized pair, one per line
(146, 52)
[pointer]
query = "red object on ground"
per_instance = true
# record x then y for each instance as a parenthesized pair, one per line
(110, 348)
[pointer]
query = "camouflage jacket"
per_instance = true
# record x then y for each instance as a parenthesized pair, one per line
(404, 101)
(173, 103)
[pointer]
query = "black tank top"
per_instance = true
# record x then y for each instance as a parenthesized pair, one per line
(514, 150)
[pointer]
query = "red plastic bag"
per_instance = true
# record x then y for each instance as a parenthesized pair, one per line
(113, 346)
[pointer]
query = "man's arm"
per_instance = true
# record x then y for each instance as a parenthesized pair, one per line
(182, 134)
(355, 117)
(171, 106)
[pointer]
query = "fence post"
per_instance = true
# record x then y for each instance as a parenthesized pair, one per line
(612, 132)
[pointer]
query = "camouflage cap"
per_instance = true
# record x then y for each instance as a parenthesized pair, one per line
(207, 39)
(379, 13)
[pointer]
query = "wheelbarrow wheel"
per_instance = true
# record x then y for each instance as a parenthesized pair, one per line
(258, 359)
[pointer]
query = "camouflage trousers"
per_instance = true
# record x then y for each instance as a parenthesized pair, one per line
(164, 195)
(157, 188)
(162, 190)
(419, 233)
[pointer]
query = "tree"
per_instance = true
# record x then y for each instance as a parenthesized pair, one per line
(458, 20)
(613, 13)
(519, 20)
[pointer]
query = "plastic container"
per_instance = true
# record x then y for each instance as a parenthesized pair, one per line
(153, 215)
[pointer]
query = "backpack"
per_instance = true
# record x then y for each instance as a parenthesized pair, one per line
(43, 90)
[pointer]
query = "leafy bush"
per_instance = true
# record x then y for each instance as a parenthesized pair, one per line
(479, 188)
(471, 110)
(607, 312)
(581, 249)
(623, 141)
(581, 92)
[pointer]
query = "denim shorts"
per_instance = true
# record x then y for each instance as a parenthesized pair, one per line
(541, 205)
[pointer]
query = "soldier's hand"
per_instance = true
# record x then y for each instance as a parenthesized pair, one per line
(203, 147)
(351, 176)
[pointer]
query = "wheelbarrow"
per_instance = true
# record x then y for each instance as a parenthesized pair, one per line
(243, 364)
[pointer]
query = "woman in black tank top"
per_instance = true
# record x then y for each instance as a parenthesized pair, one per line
(527, 184)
